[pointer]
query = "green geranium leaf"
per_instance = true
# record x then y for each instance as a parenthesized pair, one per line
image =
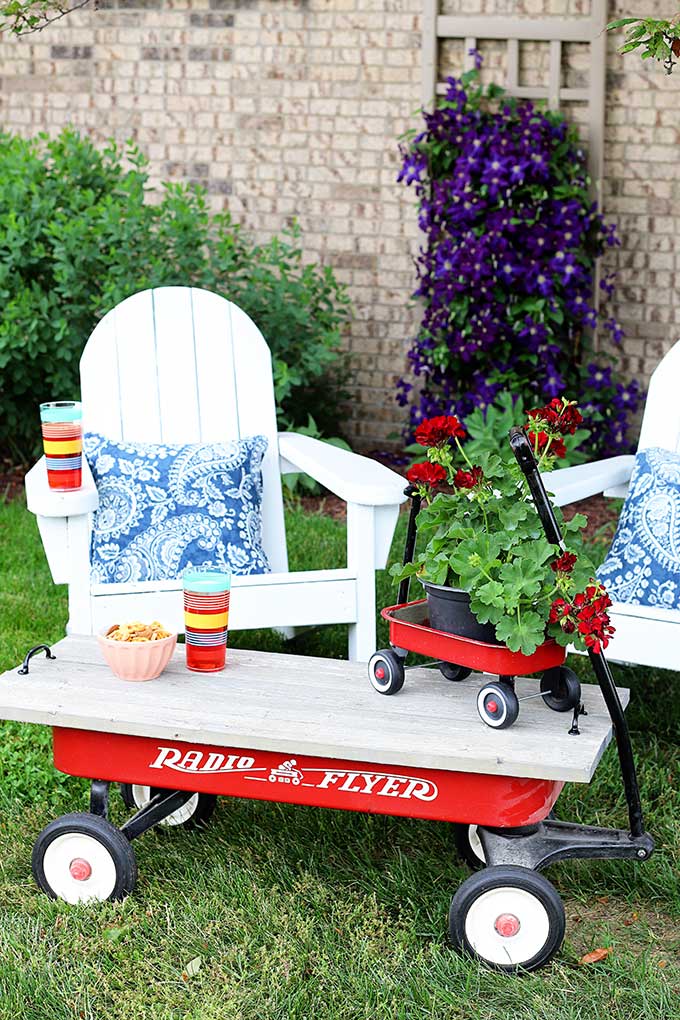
(512, 516)
(575, 525)
(523, 634)
(521, 580)
(475, 558)
(486, 614)
(491, 594)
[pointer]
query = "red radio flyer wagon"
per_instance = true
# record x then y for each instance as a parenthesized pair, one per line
(312, 731)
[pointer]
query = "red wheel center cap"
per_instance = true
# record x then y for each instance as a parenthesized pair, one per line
(380, 673)
(507, 925)
(80, 869)
(492, 706)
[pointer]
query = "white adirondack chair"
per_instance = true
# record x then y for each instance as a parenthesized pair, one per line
(182, 365)
(645, 635)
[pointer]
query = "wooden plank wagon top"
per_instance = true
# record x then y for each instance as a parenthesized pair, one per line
(307, 705)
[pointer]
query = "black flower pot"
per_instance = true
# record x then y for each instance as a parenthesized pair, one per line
(449, 610)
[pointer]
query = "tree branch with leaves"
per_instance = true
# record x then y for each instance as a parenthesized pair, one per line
(20, 17)
(658, 39)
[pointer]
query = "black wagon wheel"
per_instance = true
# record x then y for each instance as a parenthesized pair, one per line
(386, 671)
(195, 814)
(498, 705)
(561, 689)
(508, 917)
(82, 857)
(453, 672)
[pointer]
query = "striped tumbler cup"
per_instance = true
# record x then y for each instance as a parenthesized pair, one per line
(206, 619)
(62, 432)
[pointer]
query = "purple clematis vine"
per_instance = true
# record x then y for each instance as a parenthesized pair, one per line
(507, 268)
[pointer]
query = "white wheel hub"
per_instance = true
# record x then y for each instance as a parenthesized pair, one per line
(380, 672)
(496, 705)
(142, 795)
(507, 926)
(79, 868)
(476, 843)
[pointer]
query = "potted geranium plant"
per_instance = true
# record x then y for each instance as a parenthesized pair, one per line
(488, 570)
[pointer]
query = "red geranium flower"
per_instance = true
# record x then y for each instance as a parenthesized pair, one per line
(557, 447)
(432, 475)
(559, 610)
(434, 431)
(569, 419)
(558, 416)
(468, 479)
(564, 564)
(592, 618)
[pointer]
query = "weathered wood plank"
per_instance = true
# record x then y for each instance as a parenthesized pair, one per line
(308, 705)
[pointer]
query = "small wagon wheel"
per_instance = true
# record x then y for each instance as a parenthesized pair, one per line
(561, 689)
(498, 705)
(386, 671)
(194, 814)
(450, 671)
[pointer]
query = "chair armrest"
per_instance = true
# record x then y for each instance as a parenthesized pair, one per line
(354, 478)
(46, 502)
(582, 480)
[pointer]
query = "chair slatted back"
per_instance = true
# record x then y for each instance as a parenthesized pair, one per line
(182, 365)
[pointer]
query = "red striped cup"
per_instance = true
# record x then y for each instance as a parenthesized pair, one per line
(206, 619)
(62, 432)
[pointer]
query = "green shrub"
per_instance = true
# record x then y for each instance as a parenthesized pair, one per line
(78, 235)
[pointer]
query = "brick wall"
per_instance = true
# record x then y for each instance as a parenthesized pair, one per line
(287, 108)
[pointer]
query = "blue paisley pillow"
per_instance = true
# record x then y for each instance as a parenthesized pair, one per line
(643, 565)
(164, 508)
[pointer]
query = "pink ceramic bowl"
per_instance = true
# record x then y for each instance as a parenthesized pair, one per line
(137, 660)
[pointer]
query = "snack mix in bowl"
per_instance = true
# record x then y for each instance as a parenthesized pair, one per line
(137, 651)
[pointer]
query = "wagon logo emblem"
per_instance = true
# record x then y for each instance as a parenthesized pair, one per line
(286, 773)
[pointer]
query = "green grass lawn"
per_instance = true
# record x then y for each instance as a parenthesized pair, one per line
(293, 912)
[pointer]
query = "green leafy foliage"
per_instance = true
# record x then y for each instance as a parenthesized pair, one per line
(78, 234)
(299, 483)
(659, 39)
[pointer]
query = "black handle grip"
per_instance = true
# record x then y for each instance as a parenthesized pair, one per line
(521, 447)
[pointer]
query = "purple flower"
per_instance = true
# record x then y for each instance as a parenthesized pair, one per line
(627, 397)
(533, 334)
(540, 280)
(615, 330)
(607, 284)
(599, 376)
(413, 165)
(553, 382)
(477, 57)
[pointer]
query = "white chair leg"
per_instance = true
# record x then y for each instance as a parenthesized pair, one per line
(79, 599)
(361, 558)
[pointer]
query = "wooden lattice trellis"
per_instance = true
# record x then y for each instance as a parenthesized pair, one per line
(515, 30)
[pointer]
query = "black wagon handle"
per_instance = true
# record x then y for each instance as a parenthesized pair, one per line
(23, 669)
(521, 447)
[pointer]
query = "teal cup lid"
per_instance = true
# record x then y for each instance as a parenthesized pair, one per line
(207, 580)
(61, 410)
